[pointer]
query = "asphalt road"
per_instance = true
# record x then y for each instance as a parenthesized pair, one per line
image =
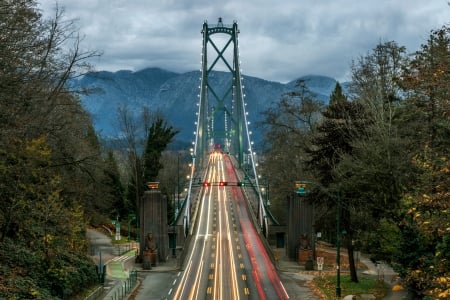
(226, 259)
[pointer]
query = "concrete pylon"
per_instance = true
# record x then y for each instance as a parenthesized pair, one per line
(153, 219)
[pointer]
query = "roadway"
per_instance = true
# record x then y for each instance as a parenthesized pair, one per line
(226, 258)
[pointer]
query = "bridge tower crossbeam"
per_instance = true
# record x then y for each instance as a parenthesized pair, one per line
(221, 114)
(221, 117)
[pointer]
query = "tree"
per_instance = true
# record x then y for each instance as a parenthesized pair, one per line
(287, 127)
(112, 180)
(172, 177)
(47, 151)
(159, 136)
(131, 143)
(426, 220)
(379, 168)
(337, 95)
(342, 123)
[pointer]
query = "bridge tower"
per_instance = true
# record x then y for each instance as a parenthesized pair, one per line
(221, 116)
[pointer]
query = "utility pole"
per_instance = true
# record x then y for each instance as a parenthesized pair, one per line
(338, 247)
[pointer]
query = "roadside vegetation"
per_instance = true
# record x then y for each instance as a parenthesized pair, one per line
(327, 287)
(56, 177)
(381, 143)
(381, 146)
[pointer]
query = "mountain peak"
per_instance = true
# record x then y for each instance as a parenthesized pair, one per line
(176, 95)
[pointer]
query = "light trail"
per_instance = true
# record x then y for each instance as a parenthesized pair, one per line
(226, 258)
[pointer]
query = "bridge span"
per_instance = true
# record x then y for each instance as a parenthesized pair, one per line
(223, 217)
(226, 258)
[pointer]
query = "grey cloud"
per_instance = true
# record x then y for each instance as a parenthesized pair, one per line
(279, 42)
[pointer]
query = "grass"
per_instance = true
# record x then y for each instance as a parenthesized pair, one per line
(123, 240)
(327, 285)
(86, 292)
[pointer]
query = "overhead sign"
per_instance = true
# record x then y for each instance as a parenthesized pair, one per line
(300, 187)
(152, 185)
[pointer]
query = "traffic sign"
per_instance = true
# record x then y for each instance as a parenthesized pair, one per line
(301, 188)
(320, 261)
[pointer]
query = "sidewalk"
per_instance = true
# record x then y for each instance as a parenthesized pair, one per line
(297, 281)
(120, 268)
(382, 271)
(389, 276)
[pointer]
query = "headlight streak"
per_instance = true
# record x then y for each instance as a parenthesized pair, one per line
(215, 270)
(231, 259)
(206, 200)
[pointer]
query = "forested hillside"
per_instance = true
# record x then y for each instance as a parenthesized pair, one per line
(379, 149)
(54, 179)
(376, 159)
(176, 96)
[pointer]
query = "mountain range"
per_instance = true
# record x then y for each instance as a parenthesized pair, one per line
(175, 95)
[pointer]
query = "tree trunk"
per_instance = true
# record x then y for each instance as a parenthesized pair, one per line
(351, 260)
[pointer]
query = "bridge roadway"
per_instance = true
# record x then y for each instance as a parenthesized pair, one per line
(226, 258)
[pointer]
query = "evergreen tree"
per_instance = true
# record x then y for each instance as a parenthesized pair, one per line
(379, 167)
(426, 220)
(337, 95)
(342, 123)
(287, 128)
(48, 158)
(159, 136)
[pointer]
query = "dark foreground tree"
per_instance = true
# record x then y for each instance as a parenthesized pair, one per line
(49, 159)
(159, 136)
(342, 123)
(287, 127)
(423, 259)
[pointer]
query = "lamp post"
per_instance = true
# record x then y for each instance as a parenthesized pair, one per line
(178, 183)
(338, 246)
(302, 190)
(131, 218)
(266, 193)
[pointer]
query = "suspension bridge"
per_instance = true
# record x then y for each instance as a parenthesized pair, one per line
(225, 216)
(222, 123)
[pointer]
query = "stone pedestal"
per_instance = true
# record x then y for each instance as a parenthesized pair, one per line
(303, 255)
(146, 261)
(149, 260)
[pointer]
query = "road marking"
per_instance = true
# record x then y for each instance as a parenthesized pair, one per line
(121, 258)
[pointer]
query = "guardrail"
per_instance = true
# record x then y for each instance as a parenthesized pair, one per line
(124, 287)
(120, 249)
(95, 294)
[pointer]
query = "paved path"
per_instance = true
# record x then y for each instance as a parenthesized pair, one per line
(296, 281)
(389, 276)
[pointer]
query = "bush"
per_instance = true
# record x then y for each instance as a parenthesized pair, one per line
(27, 273)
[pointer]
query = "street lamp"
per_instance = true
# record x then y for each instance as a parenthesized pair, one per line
(265, 190)
(338, 246)
(178, 183)
(302, 190)
(131, 218)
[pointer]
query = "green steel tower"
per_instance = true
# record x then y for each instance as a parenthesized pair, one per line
(221, 119)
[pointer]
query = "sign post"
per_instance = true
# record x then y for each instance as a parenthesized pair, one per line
(320, 264)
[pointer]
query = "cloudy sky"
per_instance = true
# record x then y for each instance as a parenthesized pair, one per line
(278, 40)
